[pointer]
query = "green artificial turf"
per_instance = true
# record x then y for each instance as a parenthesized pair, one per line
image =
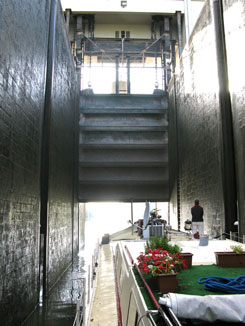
(188, 281)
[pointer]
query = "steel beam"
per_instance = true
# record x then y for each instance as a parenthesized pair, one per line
(128, 75)
(45, 145)
(179, 30)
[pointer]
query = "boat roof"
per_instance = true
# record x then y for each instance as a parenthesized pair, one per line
(201, 254)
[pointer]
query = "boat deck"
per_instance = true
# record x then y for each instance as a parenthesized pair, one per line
(104, 309)
(201, 254)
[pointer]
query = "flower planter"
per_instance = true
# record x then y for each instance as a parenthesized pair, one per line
(188, 257)
(230, 259)
(167, 283)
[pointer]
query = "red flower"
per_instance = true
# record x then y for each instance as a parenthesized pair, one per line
(146, 269)
(160, 261)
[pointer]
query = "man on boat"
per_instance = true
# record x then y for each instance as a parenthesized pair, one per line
(197, 219)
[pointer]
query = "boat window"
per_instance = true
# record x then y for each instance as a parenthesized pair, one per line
(119, 267)
(118, 259)
(136, 319)
(132, 312)
(124, 273)
(121, 276)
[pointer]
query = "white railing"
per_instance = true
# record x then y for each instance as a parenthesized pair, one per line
(91, 279)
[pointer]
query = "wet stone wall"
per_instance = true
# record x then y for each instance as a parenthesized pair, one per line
(234, 34)
(23, 40)
(23, 62)
(64, 124)
(195, 110)
(173, 155)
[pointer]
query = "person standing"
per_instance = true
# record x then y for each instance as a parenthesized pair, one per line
(197, 218)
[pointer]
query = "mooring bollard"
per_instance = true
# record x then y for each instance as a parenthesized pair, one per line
(231, 238)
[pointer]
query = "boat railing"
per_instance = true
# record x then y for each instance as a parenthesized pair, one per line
(80, 306)
(91, 274)
(166, 313)
(94, 267)
(149, 314)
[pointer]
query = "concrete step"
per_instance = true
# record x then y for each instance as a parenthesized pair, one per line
(129, 182)
(123, 110)
(132, 101)
(136, 192)
(97, 164)
(124, 153)
(125, 173)
(89, 128)
(123, 137)
(145, 146)
(135, 120)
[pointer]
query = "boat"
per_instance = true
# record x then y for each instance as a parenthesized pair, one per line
(216, 309)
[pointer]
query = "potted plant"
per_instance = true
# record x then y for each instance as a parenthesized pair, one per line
(234, 258)
(163, 267)
(187, 257)
(157, 242)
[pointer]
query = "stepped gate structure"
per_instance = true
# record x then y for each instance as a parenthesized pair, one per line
(123, 148)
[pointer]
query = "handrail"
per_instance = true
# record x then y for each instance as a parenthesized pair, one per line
(129, 254)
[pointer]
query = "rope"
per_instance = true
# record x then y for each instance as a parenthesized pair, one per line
(224, 284)
(228, 236)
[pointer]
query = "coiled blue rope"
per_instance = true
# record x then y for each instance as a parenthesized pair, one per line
(224, 284)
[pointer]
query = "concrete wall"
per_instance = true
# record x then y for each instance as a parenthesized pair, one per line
(23, 63)
(63, 226)
(234, 33)
(22, 84)
(195, 146)
(195, 111)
